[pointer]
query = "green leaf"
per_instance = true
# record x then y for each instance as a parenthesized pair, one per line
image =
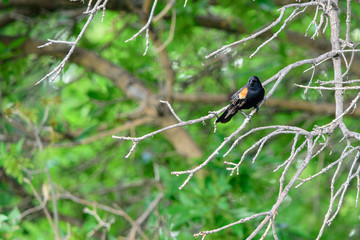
(3, 48)
(16, 43)
(14, 215)
(5, 227)
(97, 95)
(19, 146)
(3, 151)
(3, 218)
(13, 165)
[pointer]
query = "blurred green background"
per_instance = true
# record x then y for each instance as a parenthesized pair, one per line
(63, 128)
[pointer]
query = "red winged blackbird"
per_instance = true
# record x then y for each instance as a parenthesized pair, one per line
(247, 97)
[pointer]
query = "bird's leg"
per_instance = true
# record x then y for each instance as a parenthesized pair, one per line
(247, 116)
(257, 108)
(215, 114)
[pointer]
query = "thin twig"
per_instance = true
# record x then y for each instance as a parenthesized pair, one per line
(224, 48)
(331, 165)
(291, 17)
(257, 215)
(329, 88)
(254, 35)
(145, 28)
(43, 206)
(146, 213)
(57, 70)
(332, 82)
(190, 122)
(101, 223)
(172, 32)
(226, 140)
(171, 110)
(118, 211)
(310, 81)
(163, 12)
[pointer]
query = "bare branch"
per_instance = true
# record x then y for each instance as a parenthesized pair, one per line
(313, 22)
(332, 82)
(352, 105)
(329, 88)
(260, 143)
(145, 28)
(57, 70)
(344, 186)
(331, 165)
(116, 211)
(44, 208)
(190, 122)
(310, 81)
(172, 32)
(163, 12)
(286, 190)
(51, 41)
(348, 19)
(172, 110)
(101, 223)
(291, 17)
(226, 47)
(226, 140)
(292, 153)
(257, 215)
(146, 214)
(254, 35)
(342, 190)
(185, 3)
(288, 163)
(358, 190)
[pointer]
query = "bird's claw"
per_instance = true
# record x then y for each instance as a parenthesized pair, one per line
(216, 115)
(247, 116)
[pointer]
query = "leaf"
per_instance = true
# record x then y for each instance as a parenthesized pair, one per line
(16, 43)
(2, 48)
(19, 146)
(97, 95)
(3, 218)
(3, 153)
(14, 215)
(13, 165)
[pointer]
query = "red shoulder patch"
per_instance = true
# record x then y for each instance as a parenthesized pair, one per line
(243, 93)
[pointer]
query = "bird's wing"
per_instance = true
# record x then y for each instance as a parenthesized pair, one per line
(239, 97)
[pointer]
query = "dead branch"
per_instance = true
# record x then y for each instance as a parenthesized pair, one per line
(118, 211)
(277, 21)
(57, 70)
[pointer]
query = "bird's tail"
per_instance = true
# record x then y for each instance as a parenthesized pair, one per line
(227, 115)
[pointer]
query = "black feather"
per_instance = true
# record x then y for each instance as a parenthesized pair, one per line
(254, 95)
(227, 114)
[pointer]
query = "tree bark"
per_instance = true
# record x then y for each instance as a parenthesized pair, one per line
(335, 46)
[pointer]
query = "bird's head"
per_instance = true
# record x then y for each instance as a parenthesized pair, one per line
(254, 82)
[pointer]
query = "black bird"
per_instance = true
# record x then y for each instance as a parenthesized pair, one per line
(247, 97)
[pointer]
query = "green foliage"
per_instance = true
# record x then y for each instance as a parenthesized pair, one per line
(13, 161)
(82, 105)
(9, 223)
